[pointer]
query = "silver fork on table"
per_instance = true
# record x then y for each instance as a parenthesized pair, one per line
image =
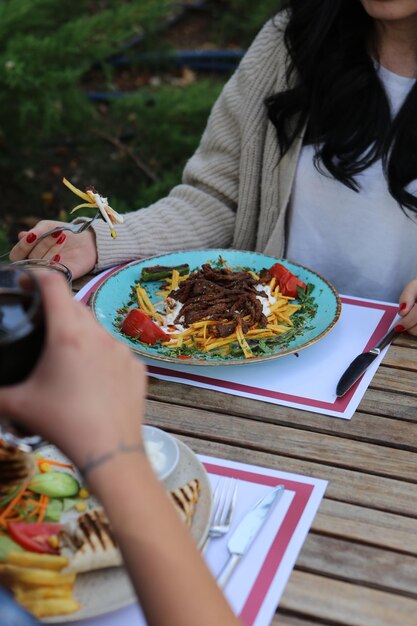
(78, 226)
(224, 500)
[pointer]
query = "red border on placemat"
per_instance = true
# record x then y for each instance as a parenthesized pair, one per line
(338, 406)
(280, 543)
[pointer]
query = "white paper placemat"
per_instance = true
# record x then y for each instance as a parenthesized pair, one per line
(257, 585)
(305, 380)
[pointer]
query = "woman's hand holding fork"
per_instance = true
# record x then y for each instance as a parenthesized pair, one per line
(77, 252)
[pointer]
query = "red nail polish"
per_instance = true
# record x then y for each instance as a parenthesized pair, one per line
(62, 239)
(403, 306)
(31, 238)
(56, 258)
(57, 234)
(399, 328)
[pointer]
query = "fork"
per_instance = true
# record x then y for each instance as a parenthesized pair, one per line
(75, 227)
(224, 499)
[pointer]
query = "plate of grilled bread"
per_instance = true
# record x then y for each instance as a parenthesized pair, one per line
(93, 565)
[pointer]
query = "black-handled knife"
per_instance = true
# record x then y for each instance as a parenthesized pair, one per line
(361, 364)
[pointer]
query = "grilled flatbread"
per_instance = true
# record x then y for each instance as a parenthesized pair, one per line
(88, 543)
(185, 498)
(16, 468)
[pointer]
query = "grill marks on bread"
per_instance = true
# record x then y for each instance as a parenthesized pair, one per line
(185, 498)
(96, 529)
(88, 543)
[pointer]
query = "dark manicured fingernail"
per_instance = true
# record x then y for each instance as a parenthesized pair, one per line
(31, 238)
(399, 328)
(56, 258)
(62, 239)
(403, 306)
(56, 235)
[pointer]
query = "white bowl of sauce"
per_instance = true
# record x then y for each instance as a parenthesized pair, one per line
(162, 451)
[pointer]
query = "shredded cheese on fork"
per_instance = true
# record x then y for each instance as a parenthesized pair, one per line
(93, 200)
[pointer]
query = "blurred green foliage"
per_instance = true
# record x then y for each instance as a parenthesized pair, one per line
(168, 122)
(4, 242)
(159, 128)
(47, 46)
(132, 149)
(242, 19)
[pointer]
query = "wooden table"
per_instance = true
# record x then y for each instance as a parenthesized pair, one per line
(358, 566)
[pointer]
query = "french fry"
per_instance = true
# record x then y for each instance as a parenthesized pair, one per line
(34, 577)
(52, 606)
(42, 561)
(279, 304)
(28, 594)
(175, 279)
(243, 343)
(220, 343)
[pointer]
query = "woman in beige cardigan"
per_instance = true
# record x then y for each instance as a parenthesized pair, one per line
(307, 154)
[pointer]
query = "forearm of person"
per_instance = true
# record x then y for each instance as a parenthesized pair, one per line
(172, 582)
(189, 218)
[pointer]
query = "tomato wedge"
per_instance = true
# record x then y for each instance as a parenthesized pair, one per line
(34, 537)
(138, 324)
(280, 272)
(286, 280)
(290, 287)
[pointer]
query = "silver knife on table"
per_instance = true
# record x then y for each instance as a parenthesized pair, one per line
(361, 363)
(243, 536)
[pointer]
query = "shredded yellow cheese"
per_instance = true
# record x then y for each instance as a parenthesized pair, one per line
(93, 200)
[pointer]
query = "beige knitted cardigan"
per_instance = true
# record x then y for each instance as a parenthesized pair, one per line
(235, 189)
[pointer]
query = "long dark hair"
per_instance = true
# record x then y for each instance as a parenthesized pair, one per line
(338, 94)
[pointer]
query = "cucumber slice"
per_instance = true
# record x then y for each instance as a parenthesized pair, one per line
(54, 510)
(69, 503)
(55, 485)
(8, 545)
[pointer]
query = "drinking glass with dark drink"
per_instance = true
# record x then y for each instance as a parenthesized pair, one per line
(22, 332)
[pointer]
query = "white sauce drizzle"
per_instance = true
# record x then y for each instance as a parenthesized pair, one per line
(266, 302)
(154, 453)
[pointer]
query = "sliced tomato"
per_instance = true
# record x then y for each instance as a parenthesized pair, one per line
(138, 324)
(286, 280)
(34, 537)
(280, 272)
(290, 287)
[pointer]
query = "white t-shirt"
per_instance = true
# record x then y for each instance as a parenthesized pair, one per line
(361, 242)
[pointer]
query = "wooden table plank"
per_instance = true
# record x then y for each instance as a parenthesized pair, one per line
(390, 378)
(367, 565)
(327, 449)
(366, 525)
(387, 403)
(401, 358)
(409, 341)
(338, 602)
(363, 427)
(282, 619)
(383, 494)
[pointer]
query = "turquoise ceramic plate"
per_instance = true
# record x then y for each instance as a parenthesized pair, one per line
(114, 294)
